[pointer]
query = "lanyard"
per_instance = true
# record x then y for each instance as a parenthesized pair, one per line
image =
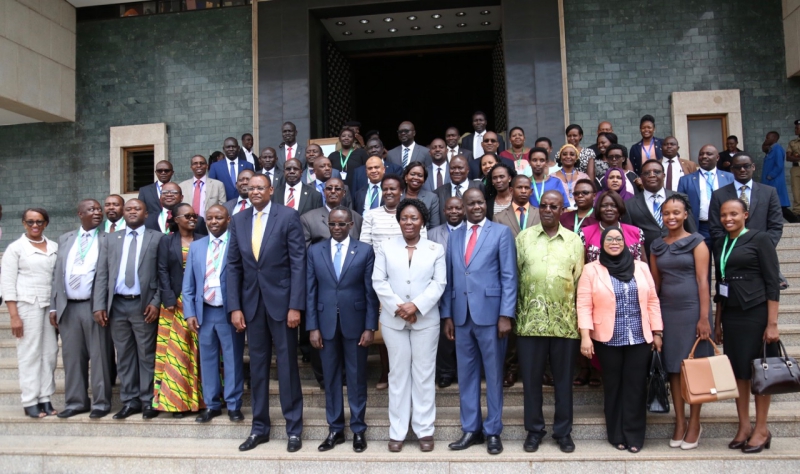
(218, 261)
(88, 247)
(569, 180)
(537, 193)
(162, 220)
(652, 144)
(343, 161)
(723, 258)
(579, 224)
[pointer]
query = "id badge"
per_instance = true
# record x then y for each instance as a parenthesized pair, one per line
(213, 281)
(344, 175)
(723, 289)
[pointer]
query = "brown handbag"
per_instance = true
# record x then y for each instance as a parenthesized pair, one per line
(775, 375)
(708, 379)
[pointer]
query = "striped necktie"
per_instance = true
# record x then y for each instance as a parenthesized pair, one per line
(75, 279)
(405, 157)
(657, 210)
(208, 292)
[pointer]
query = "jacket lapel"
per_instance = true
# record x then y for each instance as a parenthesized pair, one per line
(247, 232)
(146, 237)
(349, 257)
(605, 277)
(268, 230)
(325, 248)
(645, 208)
(696, 183)
(482, 236)
(754, 196)
(67, 247)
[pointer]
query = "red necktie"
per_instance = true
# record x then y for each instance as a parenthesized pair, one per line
(243, 204)
(290, 200)
(169, 215)
(288, 153)
(113, 227)
(196, 198)
(471, 244)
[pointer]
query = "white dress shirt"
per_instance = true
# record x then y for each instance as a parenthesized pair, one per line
(250, 156)
(410, 152)
(228, 162)
(270, 174)
(162, 220)
(436, 168)
(677, 171)
(264, 215)
(648, 198)
(477, 144)
(451, 152)
(215, 277)
(345, 245)
(86, 270)
(158, 188)
(292, 148)
(704, 200)
(462, 187)
(120, 225)
(469, 232)
(119, 287)
(202, 211)
(238, 206)
(298, 189)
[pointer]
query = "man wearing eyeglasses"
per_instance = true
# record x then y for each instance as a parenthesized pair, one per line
(242, 202)
(491, 146)
(150, 195)
(408, 150)
(171, 196)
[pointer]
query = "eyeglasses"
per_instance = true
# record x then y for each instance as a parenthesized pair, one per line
(170, 193)
(333, 188)
(338, 224)
(163, 171)
(582, 193)
(652, 173)
(741, 167)
(34, 223)
(257, 188)
(551, 207)
(489, 140)
(188, 216)
(614, 240)
(403, 130)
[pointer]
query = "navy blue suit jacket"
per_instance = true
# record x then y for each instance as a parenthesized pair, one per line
(220, 170)
(636, 154)
(195, 276)
(690, 186)
(488, 285)
(351, 301)
(360, 180)
(279, 275)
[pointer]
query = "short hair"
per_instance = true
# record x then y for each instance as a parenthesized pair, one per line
(352, 123)
(742, 154)
(652, 162)
(247, 135)
(573, 126)
(733, 137)
(345, 209)
(314, 144)
(215, 156)
(421, 207)
(454, 128)
(680, 198)
(621, 148)
(122, 199)
(544, 139)
(39, 210)
(345, 129)
(173, 225)
(259, 175)
(479, 112)
(584, 181)
(393, 177)
(537, 149)
(490, 189)
(516, 128)
(618, 202)
(415, 164)
(777, 135)
(376, 138)
(610, 136)
(647, 118)
(195, 156)
(520, 176)
(289, 123)
(82, 201)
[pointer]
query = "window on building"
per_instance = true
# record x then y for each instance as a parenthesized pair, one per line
(706, 130)
(137, 167)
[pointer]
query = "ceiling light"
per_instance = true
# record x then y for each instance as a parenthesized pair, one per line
(485, 12)
(388, 19)
(392, 30)
(461, 25)
(412, 17)
(461, 14)
(364, 21)
(347, 33)
(369, 32)
(486, 23)
(415, 28)
(436, 16)
(439, 27)
(340, 23)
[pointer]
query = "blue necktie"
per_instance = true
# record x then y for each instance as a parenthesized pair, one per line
(319, 189)
(657, 211)
(337, 260)
(709, 184)
(373, 200)
(405, 157)
(233, 172)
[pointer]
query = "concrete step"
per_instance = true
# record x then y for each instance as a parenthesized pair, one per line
(791, 230)
(38, 454)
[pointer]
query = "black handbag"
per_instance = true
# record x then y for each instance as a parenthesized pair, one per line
(657, 391)
(775, 375)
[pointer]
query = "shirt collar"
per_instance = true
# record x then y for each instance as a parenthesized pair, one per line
(665, 159)
(203, 179)
(539, 229)
(139, 230)
(749, 184)
(479, 224)
(265, 211)
(452, 228)
(712, 171)
(296, 186)
(84, 231)
(239, 202)
(345, 242)
(661, 193)
(223, 237)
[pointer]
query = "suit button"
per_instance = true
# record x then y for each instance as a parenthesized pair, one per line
(466, 273)
(408, 282)
(408, 297)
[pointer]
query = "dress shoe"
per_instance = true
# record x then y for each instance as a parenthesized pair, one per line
(738, 444)
(69, 412)
(382, 386)
(97, 414)
(48, 409)
(445, 382)
(467, 440)
(532, 441)
(148, 413)
(334, 438)
(126, 412)
(426, 444)
(294, 444)
(207, 415)
(493, 444)
(565, 444)
(252, 441)
(395, 446)
(509, 380)
(235, 415)
(686, 446)
(749, 449)
(34, 411)
(359, 442)
(178, 415)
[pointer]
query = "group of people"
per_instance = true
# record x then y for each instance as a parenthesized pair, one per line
(462, 261)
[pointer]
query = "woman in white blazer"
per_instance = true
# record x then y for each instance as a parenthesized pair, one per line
(409, 277)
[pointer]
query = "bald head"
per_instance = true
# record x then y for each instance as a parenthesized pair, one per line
(406, 133)
(604, 127)
(375, 169)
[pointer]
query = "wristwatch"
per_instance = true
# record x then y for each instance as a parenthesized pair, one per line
(659, 334)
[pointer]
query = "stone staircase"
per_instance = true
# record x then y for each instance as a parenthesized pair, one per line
(79, 444)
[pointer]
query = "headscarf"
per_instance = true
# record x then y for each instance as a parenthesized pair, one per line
(623, 191)
(621, 266)
(577, 153)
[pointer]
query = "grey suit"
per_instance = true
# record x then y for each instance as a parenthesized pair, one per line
(315, 226)
(215, 193)
(300, 155)
(134, 339)
(431, 201)
(430, 183)
(446, 192)
(230, 205)
(765, 210)
(82, 339)
(510, 218)
(420, 154)
(639, 214)
(276, 178)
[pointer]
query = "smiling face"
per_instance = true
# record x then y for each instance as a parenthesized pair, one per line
(260, 191)
(415, 178)
(242, 181)
(185, 217)
(517, 138)
(339, 224)
(346, 138)
(231, 148)
(732, 216)
(411, 222)
(501, 180)
(574, 137)
(451, 137)
(568, 157)
(171, 195)
(199, 166)
(438, 150)
(614, 242)
(475, 205)
(487, 163)
(707, 158)
(479, 123)
(732, 144)
(673, 213)
(34, 224)
(375, 169)
(458, 169)
(112, 207)
(454, 211)
(490, 143)
(652, 176)
(313, 152)
(217, 220)
(391, 193)
(647, 129)
(609, 213)
(289, 133)
(602, 144)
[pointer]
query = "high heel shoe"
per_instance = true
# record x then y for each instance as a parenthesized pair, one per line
(676, 443)
(748, 449)
(738, 444)
(686, 446)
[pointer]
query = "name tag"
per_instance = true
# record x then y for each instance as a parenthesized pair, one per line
(213, 281)
(723, 289)
(344, 174)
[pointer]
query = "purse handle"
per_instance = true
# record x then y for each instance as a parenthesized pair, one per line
(781, 353)
(716, 351)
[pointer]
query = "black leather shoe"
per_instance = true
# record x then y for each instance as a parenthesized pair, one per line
(252, 441)
(334, 438)
(494, 445)
(565, 444)
(126, 412)
(148, 413)
(445, 382)
(359, 442)
(207, 416)
(96, 414)
(294, 444)
(532, 441)
(235, 415)
(69, 412)
(467, 440)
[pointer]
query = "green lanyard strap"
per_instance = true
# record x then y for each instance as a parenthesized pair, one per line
(343, 160)
(579, 224)
(723, 258)
(88, 247)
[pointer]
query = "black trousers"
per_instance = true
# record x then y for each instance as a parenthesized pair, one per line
(533, 355)
(625, 370)
(446, 357)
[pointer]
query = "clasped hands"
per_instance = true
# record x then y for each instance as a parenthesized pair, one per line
(407, 311)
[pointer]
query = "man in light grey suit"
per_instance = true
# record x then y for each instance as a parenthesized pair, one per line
(201, 191)
(126, 299)
(408, 150)
(290, 148)
(315, 222)
(71, 312)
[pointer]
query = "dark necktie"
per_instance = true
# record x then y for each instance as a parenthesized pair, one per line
(113, 227)
(439, 178)
(669, 175)
(130, 265)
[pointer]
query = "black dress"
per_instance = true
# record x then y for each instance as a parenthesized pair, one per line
(752, 275)
(358, 157)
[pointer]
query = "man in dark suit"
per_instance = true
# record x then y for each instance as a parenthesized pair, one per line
(293, 193)
(374, 148)
(458, 183)
(438, 172)
(314, 151)
(342, 315)
(267, 161)
(451, 136)
(290, 148)
(151, 194)
(227, 170)
(323, 171)
(266, 244)
(408, 150)
(315, 222)
(205, 285)
(126, 299)
(491, 146)
(446, 370)
(472, 142)
(481, 264)
(171, 197)
(239, 204)
(371, 195)
(82, 339)
(246, 152)
(644, 209)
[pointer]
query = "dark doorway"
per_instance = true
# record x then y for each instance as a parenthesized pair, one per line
(433, 89)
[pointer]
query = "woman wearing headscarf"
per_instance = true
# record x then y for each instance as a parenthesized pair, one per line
(615, 180)
(620, 320)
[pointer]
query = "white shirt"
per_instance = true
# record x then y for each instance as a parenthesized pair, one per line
(477, 144)
(469, 232)
(204, 180)
(249, 156)
(119, 287)
(677, 171)
(463, 187)
(292, 148)
(648, 198)
(158, 188)
(435, 168)
(345, 245)
(238, 206)
(162, 221)
(86, 270)
(451, 152)
(297, 192)
(410, 152)
(120, 225)
(223, 239)
(704, 200)
(264, 215)
(270, 174)
(368, 198)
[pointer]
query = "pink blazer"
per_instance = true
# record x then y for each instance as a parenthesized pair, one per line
(597, 304)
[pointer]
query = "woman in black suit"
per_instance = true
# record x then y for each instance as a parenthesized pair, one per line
(748, 289)
(177, 373)
(648, 148)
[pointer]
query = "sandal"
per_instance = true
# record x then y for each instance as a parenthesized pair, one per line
(582, 378)
(47, 409)
(34, 411)
(621, 447)
(595, 382)
(634, 449)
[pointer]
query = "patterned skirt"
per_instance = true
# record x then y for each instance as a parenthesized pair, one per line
(177, 385)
